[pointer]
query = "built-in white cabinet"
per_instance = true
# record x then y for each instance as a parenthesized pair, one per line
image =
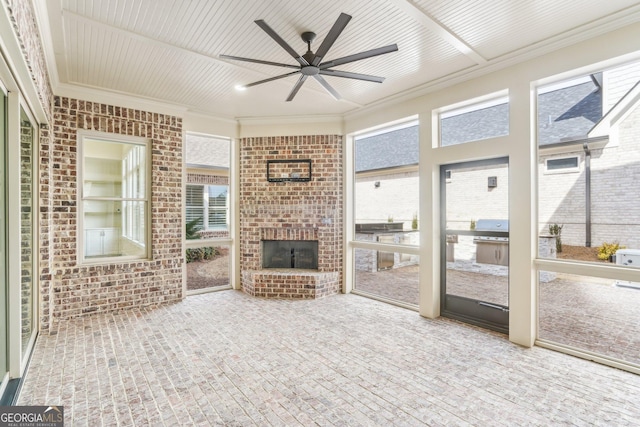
(102, 242)
(102, 218)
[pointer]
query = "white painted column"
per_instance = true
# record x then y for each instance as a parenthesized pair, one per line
(522, 215)
(429, 220)
(348, 179)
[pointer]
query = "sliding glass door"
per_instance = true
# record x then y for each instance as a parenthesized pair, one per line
(28, 134)
(19, 132)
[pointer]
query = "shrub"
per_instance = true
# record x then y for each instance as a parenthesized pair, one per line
(608, 249)
(194, 254)
(556, 230)
(199, 254)
(209, 252)
(414, 222)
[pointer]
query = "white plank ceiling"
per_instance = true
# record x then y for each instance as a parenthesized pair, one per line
(169, 50)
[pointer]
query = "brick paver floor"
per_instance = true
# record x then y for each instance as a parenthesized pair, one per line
(585, 313)
(226, 358)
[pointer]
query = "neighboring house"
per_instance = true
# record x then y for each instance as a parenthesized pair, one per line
(584, 170)
(386, 168)
(207, 189)
(583, 155)
(600, 168)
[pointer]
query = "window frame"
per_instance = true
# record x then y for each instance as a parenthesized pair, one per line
(96, 136)
(572, 169)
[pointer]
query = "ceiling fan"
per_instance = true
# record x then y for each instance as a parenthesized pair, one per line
(311, 65)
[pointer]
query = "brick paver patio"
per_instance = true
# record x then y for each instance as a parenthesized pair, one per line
(593, 315)
(226, 358)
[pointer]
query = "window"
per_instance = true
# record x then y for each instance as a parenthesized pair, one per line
(195, 205)
(386, 205)
(590, 219)
(208, 204)
(386, 181)
(114, 205)
(217, 206)
(589, 163)
(592, 313)
(475, 122)
(562, 164)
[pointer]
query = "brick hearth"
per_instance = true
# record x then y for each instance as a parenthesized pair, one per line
(292, 210)
(288, 283)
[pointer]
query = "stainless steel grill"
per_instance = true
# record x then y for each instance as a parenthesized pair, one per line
(492, 249)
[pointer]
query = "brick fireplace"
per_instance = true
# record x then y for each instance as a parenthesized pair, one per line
(291, 210)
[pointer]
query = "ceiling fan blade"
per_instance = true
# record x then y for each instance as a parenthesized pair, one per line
(327, 86)
(259, 61)
(270, 79)
(267, 29)
(350, 75)
(331, 37)
(297, 87)
(359, 56)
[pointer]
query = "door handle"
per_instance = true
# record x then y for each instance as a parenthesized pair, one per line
(494, 306)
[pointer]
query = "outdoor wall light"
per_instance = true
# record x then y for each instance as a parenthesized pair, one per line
(376, 184)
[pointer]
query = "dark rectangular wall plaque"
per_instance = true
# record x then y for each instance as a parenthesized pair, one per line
(289, 170)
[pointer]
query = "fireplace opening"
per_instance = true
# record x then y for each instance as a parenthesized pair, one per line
(290, 254)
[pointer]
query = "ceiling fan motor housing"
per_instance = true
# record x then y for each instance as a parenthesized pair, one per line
(310, 70)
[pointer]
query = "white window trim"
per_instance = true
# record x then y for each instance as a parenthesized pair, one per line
(474, 105)
(117, 138)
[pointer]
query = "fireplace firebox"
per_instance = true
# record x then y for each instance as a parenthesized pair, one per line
(290, 254)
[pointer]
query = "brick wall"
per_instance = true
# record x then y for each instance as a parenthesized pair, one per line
(562, 198)
(78, 289)
(24, 25)
(292, 210)
(45, 218)
(614, 185)
(205, 179)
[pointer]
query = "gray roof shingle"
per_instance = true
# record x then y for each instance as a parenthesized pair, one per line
(569, 113)
(387, 150)
(563, 115)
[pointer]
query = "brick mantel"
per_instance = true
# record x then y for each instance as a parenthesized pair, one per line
(292, 210)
